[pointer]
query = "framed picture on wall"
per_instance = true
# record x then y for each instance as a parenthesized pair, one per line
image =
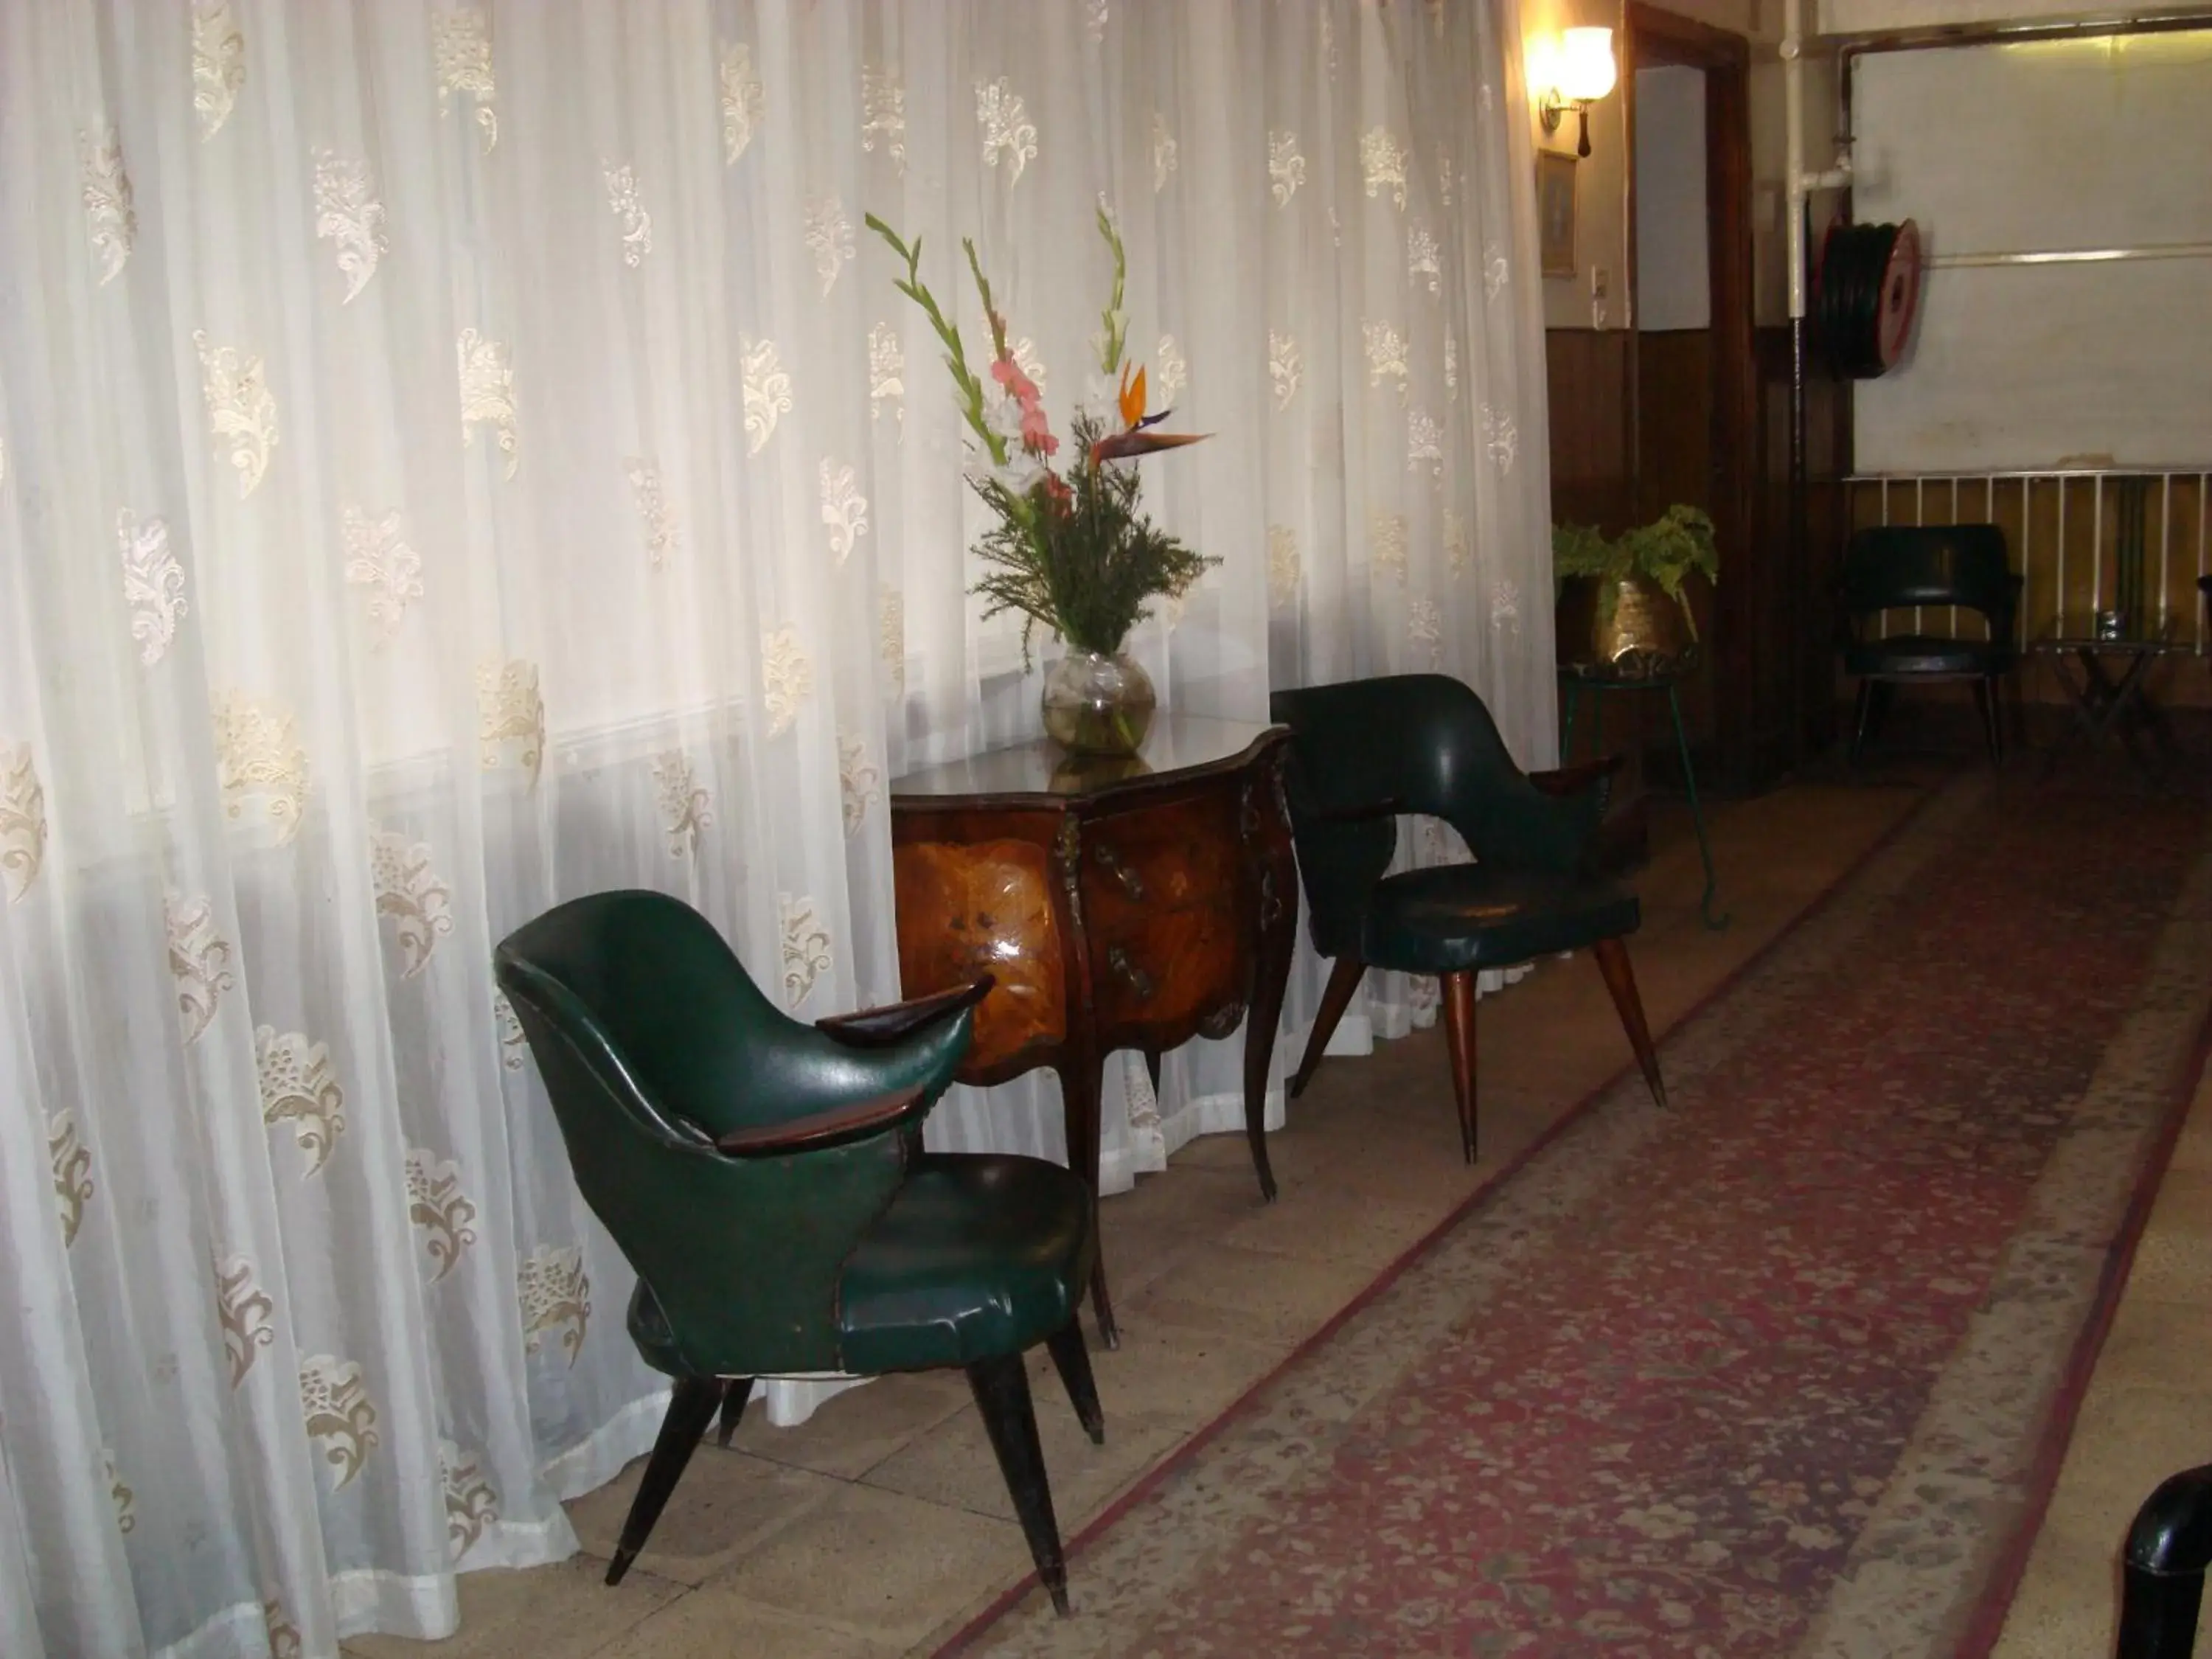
(1555, 212)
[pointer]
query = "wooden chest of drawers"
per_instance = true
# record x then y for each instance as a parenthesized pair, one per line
(1119, 905)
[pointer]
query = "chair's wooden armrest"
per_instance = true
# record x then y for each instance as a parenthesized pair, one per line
(819, 1129)
(1573, 780)
(895, 1022)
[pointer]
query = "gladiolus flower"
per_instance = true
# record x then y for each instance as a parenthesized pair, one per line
(1018, 387)
(1037, 434)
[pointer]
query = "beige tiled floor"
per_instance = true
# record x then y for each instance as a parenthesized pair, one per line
(2147, 1415)
(878, 1527)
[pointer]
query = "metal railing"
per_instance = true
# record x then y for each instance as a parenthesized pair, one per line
(2075, 534)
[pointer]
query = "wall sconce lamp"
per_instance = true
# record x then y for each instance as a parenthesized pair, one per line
(1582, 72)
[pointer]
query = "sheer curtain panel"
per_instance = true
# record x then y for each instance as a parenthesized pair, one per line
(453, 458)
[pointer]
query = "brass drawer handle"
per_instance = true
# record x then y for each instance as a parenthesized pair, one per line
(1131, 882)
(1132, 975)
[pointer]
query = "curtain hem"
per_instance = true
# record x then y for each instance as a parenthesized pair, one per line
(599, 1456)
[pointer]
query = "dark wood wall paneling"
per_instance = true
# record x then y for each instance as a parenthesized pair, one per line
(1806, 591)
(1593, 476)
(1624, 447)
(1674, 463)
(1675, 419)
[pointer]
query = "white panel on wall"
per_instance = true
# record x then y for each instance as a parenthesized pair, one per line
(1870, 17)
(1674, 286)
(2041, 147)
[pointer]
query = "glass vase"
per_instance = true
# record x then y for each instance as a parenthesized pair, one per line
(1097, 704)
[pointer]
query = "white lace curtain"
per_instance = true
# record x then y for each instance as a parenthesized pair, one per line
(455, 458)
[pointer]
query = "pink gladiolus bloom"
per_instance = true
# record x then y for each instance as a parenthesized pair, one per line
(1008, 373)
(1037, 435)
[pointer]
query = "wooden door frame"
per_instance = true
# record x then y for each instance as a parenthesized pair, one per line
(1651, 37)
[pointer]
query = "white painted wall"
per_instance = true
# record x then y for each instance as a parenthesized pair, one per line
(2034, 147)
(1674, 280)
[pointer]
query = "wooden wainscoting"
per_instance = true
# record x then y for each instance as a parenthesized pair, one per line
(1593, 463)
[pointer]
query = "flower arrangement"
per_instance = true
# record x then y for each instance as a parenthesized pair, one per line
(1068, 548)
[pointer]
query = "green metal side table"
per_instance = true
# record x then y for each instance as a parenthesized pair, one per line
(1598, 680)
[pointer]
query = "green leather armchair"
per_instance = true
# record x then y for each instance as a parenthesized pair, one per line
(766, 1178)
(1913, 566)
(1366, 751)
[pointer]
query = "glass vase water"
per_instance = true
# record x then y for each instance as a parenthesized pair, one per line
(1098, 704)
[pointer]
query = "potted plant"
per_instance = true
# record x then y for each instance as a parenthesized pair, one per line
(1067, 547)
(1621, 601)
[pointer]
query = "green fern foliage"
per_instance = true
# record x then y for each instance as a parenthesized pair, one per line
(1076, 556)
(1667, 550)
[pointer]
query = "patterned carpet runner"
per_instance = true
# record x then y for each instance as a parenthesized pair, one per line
(1767, 1375)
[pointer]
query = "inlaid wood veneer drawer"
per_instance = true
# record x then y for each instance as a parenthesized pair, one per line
(1171, 968)
(1137, 865)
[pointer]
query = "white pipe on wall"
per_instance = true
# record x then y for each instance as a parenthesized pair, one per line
(1801, 184)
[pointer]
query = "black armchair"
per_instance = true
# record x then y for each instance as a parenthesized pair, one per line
(767, 1180)
(1367, 751)
(1901, 567)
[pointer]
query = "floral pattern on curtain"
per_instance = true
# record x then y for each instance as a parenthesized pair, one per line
(453, 458)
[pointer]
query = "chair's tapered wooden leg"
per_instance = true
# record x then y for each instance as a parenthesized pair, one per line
(1884, 695)
(1992, 738)
(736, 1390)
(1862, 718)
(1001, 1387)
(1079, 1095)
(1621, 979)
(1459, 1037)
(1071, 1359)
(1102, 1298)
(690, 1409)
(1343, 980)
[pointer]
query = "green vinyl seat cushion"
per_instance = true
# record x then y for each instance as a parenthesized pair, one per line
(1925, 656)
(976, 1255)
(1453, 917)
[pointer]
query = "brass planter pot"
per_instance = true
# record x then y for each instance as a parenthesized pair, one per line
(1648, 635)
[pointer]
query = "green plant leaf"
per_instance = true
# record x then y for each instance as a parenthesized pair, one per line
(971, 389)
(1076, 556)
(1115, 335)
(1667, 550)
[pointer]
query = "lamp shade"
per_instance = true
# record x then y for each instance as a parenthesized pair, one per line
(1540, 64)
(1585, 67)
